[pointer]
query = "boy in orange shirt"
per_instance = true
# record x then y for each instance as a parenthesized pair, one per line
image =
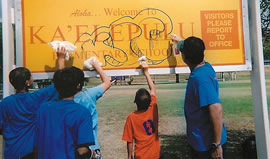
(142, 124)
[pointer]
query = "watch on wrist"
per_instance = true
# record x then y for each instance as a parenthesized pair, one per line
(214, 146)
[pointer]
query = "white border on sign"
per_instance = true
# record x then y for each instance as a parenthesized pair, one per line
(177, 70)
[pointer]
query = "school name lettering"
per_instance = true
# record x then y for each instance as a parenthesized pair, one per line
(117, 54)
(39, 34)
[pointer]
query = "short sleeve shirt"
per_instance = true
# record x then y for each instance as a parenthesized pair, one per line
(17, 118)
(88, 98)
(143, 128)
(202, 90)
(62, 127)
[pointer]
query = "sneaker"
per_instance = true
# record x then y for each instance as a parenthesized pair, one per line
(98, 154)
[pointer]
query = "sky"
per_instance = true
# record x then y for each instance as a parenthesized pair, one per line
(1, 11)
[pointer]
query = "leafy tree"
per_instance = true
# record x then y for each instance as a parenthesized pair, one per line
(265, 21)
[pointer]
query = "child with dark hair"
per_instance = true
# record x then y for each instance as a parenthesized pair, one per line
(141, 125)
(64, 128)
(17, 111)
(20, 79)
(89, 97)
(142, 99)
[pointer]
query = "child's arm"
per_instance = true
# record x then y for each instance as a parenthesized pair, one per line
(148, 78)
(129, 149)
(106, 84)
(152, 92)
(61, 52)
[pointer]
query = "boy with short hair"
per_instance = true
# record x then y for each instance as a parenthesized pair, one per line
(142, 124)
(88, 98)
(64, 128)
(17, 111)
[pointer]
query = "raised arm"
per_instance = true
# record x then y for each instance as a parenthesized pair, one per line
(61, 52)
(106, 84)
(149, 80)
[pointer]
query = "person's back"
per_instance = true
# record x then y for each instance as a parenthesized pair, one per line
(142, 124)
(17, 115)
(88, 98)
(63, 126)
(206, 133)
(147, 143)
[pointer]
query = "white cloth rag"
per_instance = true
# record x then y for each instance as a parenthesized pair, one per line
(67, 45)
(87, 63)
(175, 37)
(141, 59)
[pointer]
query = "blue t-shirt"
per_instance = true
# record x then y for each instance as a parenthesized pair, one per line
(88, 98)
(202, 90)
(17, 118)
(62, 127)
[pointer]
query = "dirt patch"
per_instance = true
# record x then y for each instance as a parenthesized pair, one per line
(111, 131)
(173, 138)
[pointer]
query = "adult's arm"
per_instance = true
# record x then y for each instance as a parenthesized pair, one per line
(175, 38)
(129, 149)
(215, 111)
(106, 84)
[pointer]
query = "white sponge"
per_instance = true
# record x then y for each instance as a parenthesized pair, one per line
(87, 63)
(141, 59)
(67, 45)
(175, 37)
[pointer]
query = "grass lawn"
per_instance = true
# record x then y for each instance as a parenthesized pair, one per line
(117, 103)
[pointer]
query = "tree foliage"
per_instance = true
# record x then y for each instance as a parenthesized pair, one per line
(265, 22)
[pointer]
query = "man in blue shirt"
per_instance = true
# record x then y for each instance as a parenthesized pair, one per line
(64, 128)
(206, 132)
(88, 98)
(17, 112)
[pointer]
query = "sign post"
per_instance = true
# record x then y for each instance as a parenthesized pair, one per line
(261, 118)
(8, 44)
(8, 47)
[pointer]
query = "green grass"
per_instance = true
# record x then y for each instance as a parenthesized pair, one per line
(234, 85)
(235, 96)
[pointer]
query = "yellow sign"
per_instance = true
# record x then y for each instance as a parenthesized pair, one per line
(119, 32)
